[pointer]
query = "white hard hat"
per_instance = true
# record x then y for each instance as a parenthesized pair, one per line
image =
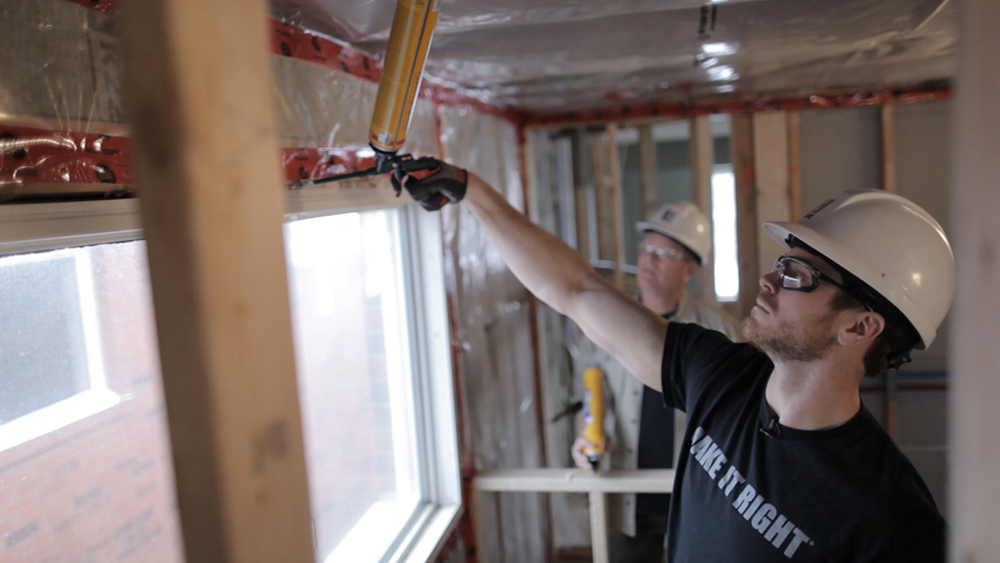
(889, 243)
(683, 222)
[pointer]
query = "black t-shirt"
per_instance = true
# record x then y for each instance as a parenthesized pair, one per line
(749, 489)
(656, 445)
(656, 448)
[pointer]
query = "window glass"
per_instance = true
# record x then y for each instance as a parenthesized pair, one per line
(48, 363)
(350, 319)
(85, 471)
(727, 271)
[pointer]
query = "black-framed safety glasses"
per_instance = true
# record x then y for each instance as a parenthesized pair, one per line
(798, 275)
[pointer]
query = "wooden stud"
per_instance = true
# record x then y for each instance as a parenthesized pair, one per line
(599, 527)
(530, 174)
(702, 161)
(479, 525)
(602, 196)
(617, 208)
(890, 398)
(888, 148)
(583, 189)
(746, 211)
(198, 91)
(648, 171)
(565, 188)
(770, 153)
(794, 173)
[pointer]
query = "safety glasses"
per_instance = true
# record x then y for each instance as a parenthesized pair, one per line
(662, 253)
(798, 275)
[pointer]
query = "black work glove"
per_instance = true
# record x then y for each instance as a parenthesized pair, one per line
(430, 182)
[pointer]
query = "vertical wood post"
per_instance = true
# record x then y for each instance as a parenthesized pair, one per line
(617, 209)
(702, 162)
(648, 171)
(602, 196)
(890, 398)
(747, 227)
(479, 524)
(770, 152)
(888, 148)
(794, 170)
(974, 432)
(198, 90)
(599, 527)
(582, 190)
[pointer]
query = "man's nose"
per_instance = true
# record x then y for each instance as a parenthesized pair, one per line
(769, 282)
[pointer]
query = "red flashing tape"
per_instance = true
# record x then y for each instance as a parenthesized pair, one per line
(106, 6)
(42, 156)
(313, 164)
(763, 103)
(38, 156)
(293, 41)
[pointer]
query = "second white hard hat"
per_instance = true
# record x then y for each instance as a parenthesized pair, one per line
(683, 222)
(889, 243)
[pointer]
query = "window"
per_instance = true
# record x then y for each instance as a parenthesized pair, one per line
(349, 311)
(82, 414)
(85, 469)
(51, 366)
(727, 271)
(373, 357)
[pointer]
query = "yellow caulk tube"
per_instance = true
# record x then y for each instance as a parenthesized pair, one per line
(593, 414)
(409, 41)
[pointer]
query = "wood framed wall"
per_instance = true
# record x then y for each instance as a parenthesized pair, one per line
(702, 161)
(617, 213)
(747, 228)
(771, 181)
(206, 156)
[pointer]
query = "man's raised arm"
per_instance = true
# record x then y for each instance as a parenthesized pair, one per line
(558, 275)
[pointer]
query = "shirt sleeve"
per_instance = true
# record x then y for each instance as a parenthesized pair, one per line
(693, 356)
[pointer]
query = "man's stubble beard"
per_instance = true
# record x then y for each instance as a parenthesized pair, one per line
(784, 343)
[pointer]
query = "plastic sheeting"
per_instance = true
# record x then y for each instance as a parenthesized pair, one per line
(553, 55)
(323, 107)
(61, 118)
(492, 328)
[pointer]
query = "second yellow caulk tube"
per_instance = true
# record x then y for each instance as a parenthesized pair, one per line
(593, 414)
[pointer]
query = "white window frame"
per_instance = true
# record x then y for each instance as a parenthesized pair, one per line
(49, 226)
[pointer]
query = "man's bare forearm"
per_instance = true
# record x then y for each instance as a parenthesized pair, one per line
(563, 279)
(546, 265)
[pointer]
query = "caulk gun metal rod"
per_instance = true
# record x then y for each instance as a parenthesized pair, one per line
(374, 171)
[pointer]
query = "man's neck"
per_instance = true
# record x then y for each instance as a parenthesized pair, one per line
(658, 303)
(812, 395)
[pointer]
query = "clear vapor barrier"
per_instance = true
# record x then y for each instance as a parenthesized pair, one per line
(555, 56)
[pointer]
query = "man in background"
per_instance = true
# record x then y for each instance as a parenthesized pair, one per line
(639, 429)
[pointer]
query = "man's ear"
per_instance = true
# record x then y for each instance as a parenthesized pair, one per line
(863, 328)
(690, 270)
